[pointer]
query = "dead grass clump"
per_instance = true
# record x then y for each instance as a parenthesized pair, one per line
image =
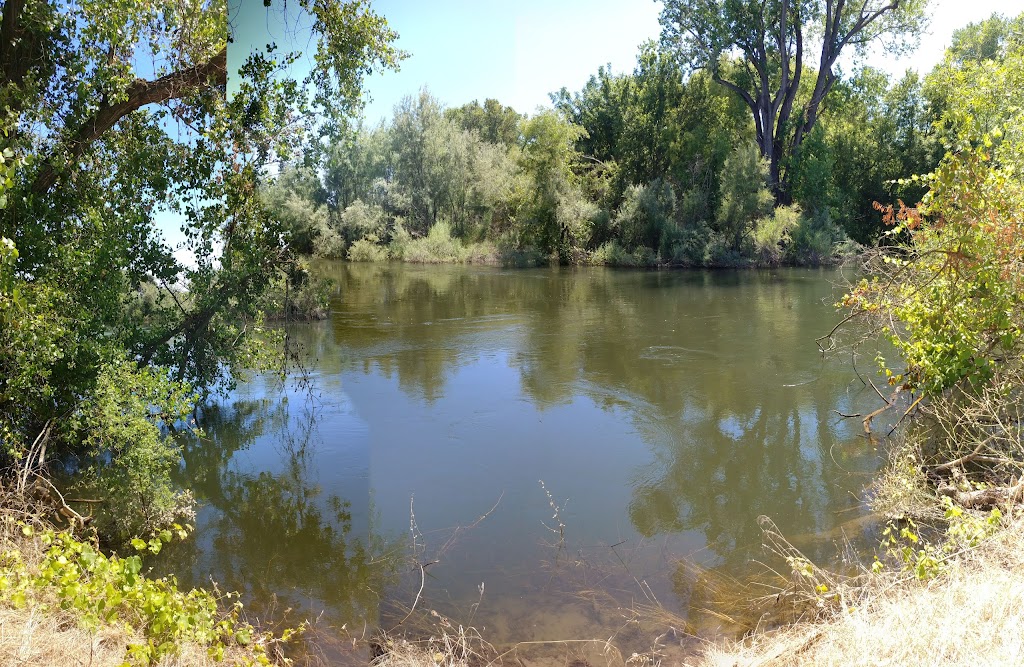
(29, 637)
(449, 645)
(964, 445)
(971, 614)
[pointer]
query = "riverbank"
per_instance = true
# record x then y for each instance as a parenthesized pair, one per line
(969, 615)
(65, 602)
(440, 246)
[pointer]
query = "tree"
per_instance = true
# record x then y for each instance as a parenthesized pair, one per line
(744, 197)
(548, 157)
(755, 48)
(493, 122)
(948, 295)
(121, 113)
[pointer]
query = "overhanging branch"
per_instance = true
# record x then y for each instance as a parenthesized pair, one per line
(171, 86)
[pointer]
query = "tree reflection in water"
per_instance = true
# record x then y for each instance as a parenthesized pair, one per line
(672, 408)
(265, 526)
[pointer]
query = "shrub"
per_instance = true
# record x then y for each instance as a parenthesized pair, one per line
(772, 233)
(105, 590)
(400, 240)
(646, 215)
(361, 220)
(484, 252)
(127, 458)
(367, 250)
(438, 247)
(719, 252)
(817, 240)
(613, 254)
(689, 246)
(744, 196)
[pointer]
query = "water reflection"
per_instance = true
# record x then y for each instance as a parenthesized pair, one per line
(716, 373)
(266, 525)
(660, 408)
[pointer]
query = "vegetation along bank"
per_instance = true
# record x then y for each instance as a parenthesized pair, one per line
(109, 339)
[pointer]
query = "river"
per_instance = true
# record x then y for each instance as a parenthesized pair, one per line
(541, 454)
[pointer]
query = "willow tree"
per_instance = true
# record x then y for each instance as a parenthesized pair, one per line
(761, 51)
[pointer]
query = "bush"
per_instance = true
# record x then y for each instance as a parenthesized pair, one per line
(484, 252)
(367, 250)
(104, 591)
(127, 458)
(438, 247)
(303, 297)
(744, 196)
(613, 254)
(400, 239)
(361, 220)
(772, 234)
(720, 253)
(689, 246)
(576, 215)
(818, 240)
(646, 215)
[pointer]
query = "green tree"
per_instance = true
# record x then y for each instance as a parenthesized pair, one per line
(948, 296)
(493, 122)
(548, 158)
(431, 160)
(876, 134)
(744, 197)
(769, 40)
(122, 114)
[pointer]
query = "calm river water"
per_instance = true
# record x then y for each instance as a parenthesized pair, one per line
(622, 431)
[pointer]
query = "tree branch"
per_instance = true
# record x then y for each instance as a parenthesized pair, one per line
(8, 31)
(139, 94)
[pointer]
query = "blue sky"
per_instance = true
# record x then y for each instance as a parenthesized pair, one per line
(519, 52)
(516, 52)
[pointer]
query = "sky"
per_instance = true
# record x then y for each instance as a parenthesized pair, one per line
(519, 52)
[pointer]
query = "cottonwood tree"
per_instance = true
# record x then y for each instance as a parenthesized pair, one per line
(121, 111)
(758, 49)
(115, 112)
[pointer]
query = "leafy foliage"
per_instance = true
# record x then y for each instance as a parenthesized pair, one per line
(745, 196)
(118, 114)
(104, 590)
(756, 51)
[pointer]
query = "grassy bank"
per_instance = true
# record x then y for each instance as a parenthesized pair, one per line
(65, 602)
(971, 614)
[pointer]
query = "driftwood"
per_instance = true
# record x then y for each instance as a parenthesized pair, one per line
(45, 492)
(986, 498)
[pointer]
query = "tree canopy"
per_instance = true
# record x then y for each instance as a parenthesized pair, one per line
(116, 114)
(759, 50)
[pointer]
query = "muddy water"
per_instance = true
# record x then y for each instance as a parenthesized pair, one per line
(536, 453)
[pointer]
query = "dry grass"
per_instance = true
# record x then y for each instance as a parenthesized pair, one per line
(973, 614)
(30, 638)
(41, 634)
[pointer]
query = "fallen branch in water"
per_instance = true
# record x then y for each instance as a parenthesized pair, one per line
(985, 498)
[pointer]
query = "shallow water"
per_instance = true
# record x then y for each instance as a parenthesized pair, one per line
(663, 411)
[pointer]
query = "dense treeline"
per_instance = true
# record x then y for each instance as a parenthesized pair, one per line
(655, 167)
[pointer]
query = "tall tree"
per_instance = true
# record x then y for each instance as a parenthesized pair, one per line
(756, 49)
(120, 111)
